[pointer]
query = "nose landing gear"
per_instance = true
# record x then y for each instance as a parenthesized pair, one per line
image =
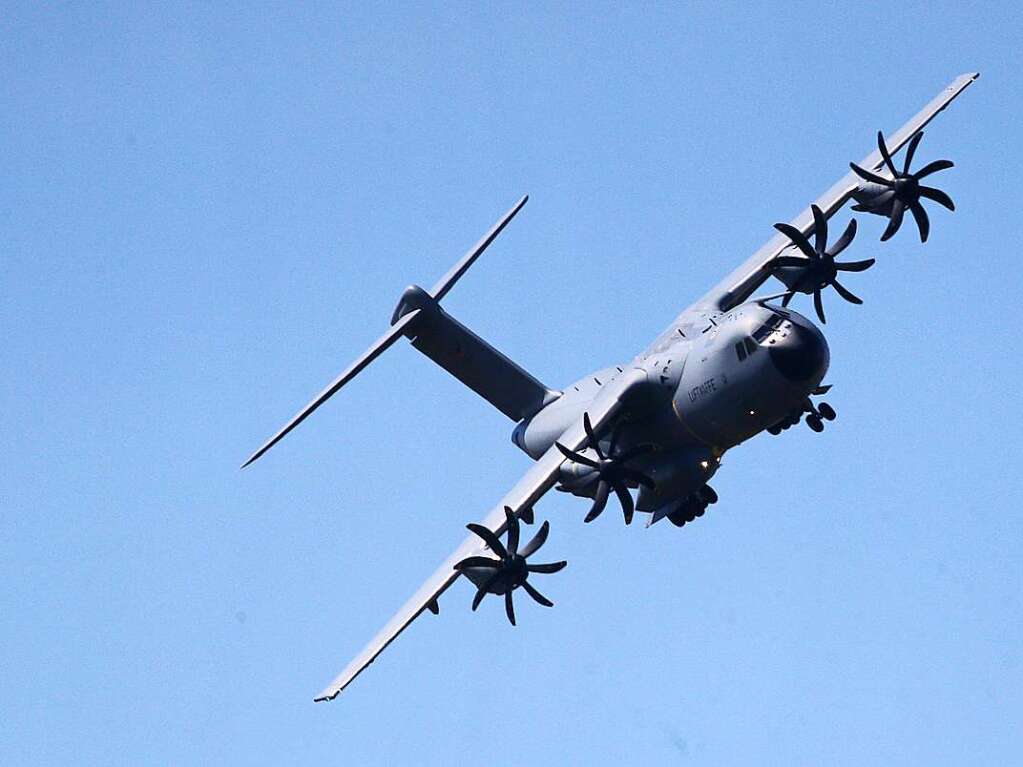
(816, 415)
(694, 506)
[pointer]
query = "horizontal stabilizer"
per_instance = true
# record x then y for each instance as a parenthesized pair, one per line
(378, 348)
(444, 344)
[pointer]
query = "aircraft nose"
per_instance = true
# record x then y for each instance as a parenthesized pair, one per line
(801, 355)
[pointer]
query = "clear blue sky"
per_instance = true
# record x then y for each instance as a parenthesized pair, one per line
(206, 211)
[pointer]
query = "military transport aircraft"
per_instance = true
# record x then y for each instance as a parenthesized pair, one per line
(729, 367)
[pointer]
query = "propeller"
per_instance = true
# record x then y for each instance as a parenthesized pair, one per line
(904, 189)
(510, 570)
(609, 471)
(820, 269)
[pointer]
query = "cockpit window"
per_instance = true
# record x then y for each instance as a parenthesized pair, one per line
(751, 345)
(768, 327)
(740, 351)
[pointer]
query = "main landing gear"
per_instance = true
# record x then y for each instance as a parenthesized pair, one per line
(815, 418)
(694, 506)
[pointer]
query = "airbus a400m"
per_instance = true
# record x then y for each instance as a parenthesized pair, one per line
(652, 431)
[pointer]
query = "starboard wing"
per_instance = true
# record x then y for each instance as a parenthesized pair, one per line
(740, 284)
(537, 481)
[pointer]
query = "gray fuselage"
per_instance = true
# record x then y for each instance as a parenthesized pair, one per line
(717, 379)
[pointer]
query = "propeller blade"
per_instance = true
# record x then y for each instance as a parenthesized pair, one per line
(471, 562)
(790, 261)
(625, 498)
(482, 590)
(884, 153)
(843, 242)
(852, 298)
(480, 593)
(527, 515)
(938, 196)
(788, 297)
(933, 167)
(615, 434)
(537, 540)
(509, 607)
(898, 210)
(513, 531)
(386, 340)
(599, 502)
(638, 477)
(445, 283)
(798, 239)
(577, 457)
(855, 266)
(592, 437)
(911, 151)
(819, 306)
(489, 538)
(923, 223)
(540, 598)
(548, 568)
(820, 229)
(866, 175)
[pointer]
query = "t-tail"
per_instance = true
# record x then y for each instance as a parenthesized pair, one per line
(454, 347)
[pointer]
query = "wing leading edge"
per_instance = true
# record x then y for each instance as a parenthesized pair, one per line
(740, 284)
(537, 481)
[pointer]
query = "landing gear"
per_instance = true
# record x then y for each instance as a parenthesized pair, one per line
(816, 415)
(707, 495)
(819, 414)
(786, 423)
(694, 506)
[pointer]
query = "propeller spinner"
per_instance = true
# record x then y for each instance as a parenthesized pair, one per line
(819, 269)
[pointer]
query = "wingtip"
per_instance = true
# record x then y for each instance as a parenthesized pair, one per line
(251, 459)
(327, 695)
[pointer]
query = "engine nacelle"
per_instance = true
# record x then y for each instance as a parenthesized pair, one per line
(869, 199)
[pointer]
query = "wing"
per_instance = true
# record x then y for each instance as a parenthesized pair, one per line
(537, 481)
(740, 284)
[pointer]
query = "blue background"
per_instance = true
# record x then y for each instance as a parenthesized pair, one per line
(207, 210)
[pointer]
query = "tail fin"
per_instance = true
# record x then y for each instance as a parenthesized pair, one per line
(447, 342)
(470, 359)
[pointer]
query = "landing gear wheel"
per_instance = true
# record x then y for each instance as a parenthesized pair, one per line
(814, 422)
(677, 520)
(827, 412)
(707, 495)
